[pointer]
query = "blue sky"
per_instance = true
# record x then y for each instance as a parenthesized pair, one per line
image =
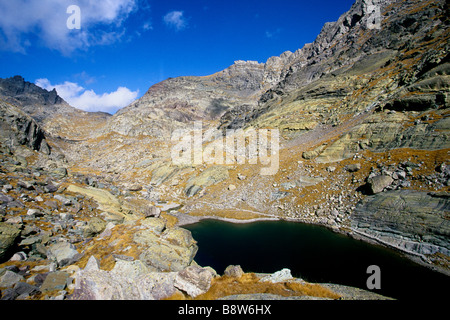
(125, 46)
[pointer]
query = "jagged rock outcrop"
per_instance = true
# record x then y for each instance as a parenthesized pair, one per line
(17, 90)
(17, 128)
(39, 103)
(49, 110)
(126, 281)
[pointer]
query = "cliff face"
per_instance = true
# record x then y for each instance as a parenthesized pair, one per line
(411, 221)
(18, 128)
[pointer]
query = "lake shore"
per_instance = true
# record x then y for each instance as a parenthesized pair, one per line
(186, 220)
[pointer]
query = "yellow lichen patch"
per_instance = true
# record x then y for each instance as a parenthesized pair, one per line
(106, 201)
(171, 220)
(249, 284)
(420, 6)
(119, 242)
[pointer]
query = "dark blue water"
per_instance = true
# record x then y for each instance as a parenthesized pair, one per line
(313, 253)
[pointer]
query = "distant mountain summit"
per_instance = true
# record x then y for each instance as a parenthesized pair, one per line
(48, 109)
(17, 90)
(39, 103)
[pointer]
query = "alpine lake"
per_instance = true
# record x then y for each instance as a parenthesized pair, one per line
(315, 254)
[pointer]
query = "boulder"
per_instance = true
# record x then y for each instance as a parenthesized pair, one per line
(399, 175)
(308, 155)
(179, 236)
(8, 294)
(19, 256)
(127, 281)
(353, 167)
(306, 181)
(133, 187)
(4, 198)
(34, 213)
(241, 176)
(55, 281)
(64, 200)
(8, 236)
(279, 276)
(234, 271)
(23, 289)
(50, 188)
(152, 211)
(311, 154)
(156, 225)
(63, 253)
(378, 183)
(94, 227)
(173, 250)
(106, 201)
(59, 173)
(207, 178)
(28, 185)
(194, 280)
(9, 279)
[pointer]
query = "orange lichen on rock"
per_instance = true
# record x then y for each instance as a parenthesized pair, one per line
(249, 283)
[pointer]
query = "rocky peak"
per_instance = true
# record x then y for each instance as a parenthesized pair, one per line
(345, 34)
(53, 115)
(244, 76)
(275, 67)
(176, 101)
(17, 90)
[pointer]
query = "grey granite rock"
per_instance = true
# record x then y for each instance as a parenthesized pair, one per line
(8, 235)
(412, 221)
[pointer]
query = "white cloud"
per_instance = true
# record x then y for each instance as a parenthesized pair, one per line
(273, 34)
(88, 100)
(147, 26)
(47, 20)
(175, 19)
